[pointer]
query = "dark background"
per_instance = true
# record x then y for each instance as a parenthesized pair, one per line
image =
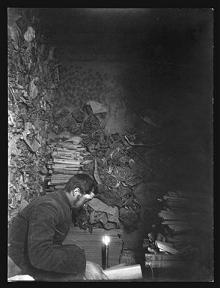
(175, 49)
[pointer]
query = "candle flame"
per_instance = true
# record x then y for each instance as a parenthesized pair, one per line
(106, 239)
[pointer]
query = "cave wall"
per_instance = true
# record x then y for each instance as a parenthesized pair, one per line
(81, 81)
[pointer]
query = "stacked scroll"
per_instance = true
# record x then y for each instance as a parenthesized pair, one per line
(183, 212)
(187, 216)
(67, 159)
(175, 215)
(185, 220)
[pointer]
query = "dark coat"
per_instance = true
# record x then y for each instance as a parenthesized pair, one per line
(36, 235)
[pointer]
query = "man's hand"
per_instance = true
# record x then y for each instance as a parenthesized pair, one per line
(94, 272)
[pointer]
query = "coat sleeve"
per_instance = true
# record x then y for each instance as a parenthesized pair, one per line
(43, 254)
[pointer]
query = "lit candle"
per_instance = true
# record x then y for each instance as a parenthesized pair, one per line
(105, 251)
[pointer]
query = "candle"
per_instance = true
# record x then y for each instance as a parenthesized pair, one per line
(105, 251)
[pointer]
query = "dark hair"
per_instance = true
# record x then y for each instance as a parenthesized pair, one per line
(83, 181)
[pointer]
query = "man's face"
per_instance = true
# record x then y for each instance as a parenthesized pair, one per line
(79, 199)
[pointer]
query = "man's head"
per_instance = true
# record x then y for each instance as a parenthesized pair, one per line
(80, 189)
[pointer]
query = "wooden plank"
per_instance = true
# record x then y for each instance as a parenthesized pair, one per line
(61, 176)
(66, 161)
(166, 247)
(190, 196)
(65, 154)
(65, 171)
(71, 146)
(163, 260)
(59, 187)
(165, 264)
(66, 166)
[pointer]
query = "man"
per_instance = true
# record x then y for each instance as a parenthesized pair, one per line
(37, 232)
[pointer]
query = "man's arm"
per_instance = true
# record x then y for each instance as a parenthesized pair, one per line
(43, 254)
